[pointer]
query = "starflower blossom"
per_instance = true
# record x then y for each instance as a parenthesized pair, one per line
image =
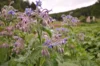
(74, 20)
(69, 17)
(11, 12)
(18, 45)
(52, 44)
(47, 42)
(45, 17)
(24, 24)
(38, 3)
(28, 11)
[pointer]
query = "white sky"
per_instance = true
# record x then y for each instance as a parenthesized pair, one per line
(64, 5)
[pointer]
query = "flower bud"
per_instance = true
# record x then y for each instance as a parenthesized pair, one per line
(5, 45)
(45, 52)
(10, 28)
(61, 50)
(3, 33)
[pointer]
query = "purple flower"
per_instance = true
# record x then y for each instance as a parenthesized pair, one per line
(64, 41)
(74, 20)
(28, 11)
(38, 3)
(45, 52)
(11, 12)
(24, 18)
(69, 17)
(47, 42)
(50, 46)
(62, 29)
(17, 44)
(51, 19)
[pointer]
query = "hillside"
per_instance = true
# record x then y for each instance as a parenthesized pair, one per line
(93, 10)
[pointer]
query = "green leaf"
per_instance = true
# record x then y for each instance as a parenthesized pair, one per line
(3, 55)
(4, 64)
(67, 63)
(12, 63)
(47, 30)
(42, 60)
(19, 64)
(1, 28)
(50, 62)
(99, 55)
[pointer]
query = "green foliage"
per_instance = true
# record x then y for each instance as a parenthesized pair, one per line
(4, 52)
(82, 18)
(18, 4)
(91, 42)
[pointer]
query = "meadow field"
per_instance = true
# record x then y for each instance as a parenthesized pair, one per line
(32, 38)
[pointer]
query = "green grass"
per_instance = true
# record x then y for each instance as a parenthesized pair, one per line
(92, 38)
(87, 26)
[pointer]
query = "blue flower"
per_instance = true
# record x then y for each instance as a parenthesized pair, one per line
(50, 46)
(38, 3)
(28, 11)
(74, 20)
(64, 41)
(47, 42)
(69, 17)
(11, 12)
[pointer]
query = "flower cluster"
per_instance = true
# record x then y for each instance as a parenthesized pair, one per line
(8, 11)
(60, 30)
(70, 20)
(55, 42)
(23, 22)
(8, 31)
(52, 43)
(18, 45)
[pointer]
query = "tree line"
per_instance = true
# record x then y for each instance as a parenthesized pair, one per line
(93, 10)
(18, 4)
